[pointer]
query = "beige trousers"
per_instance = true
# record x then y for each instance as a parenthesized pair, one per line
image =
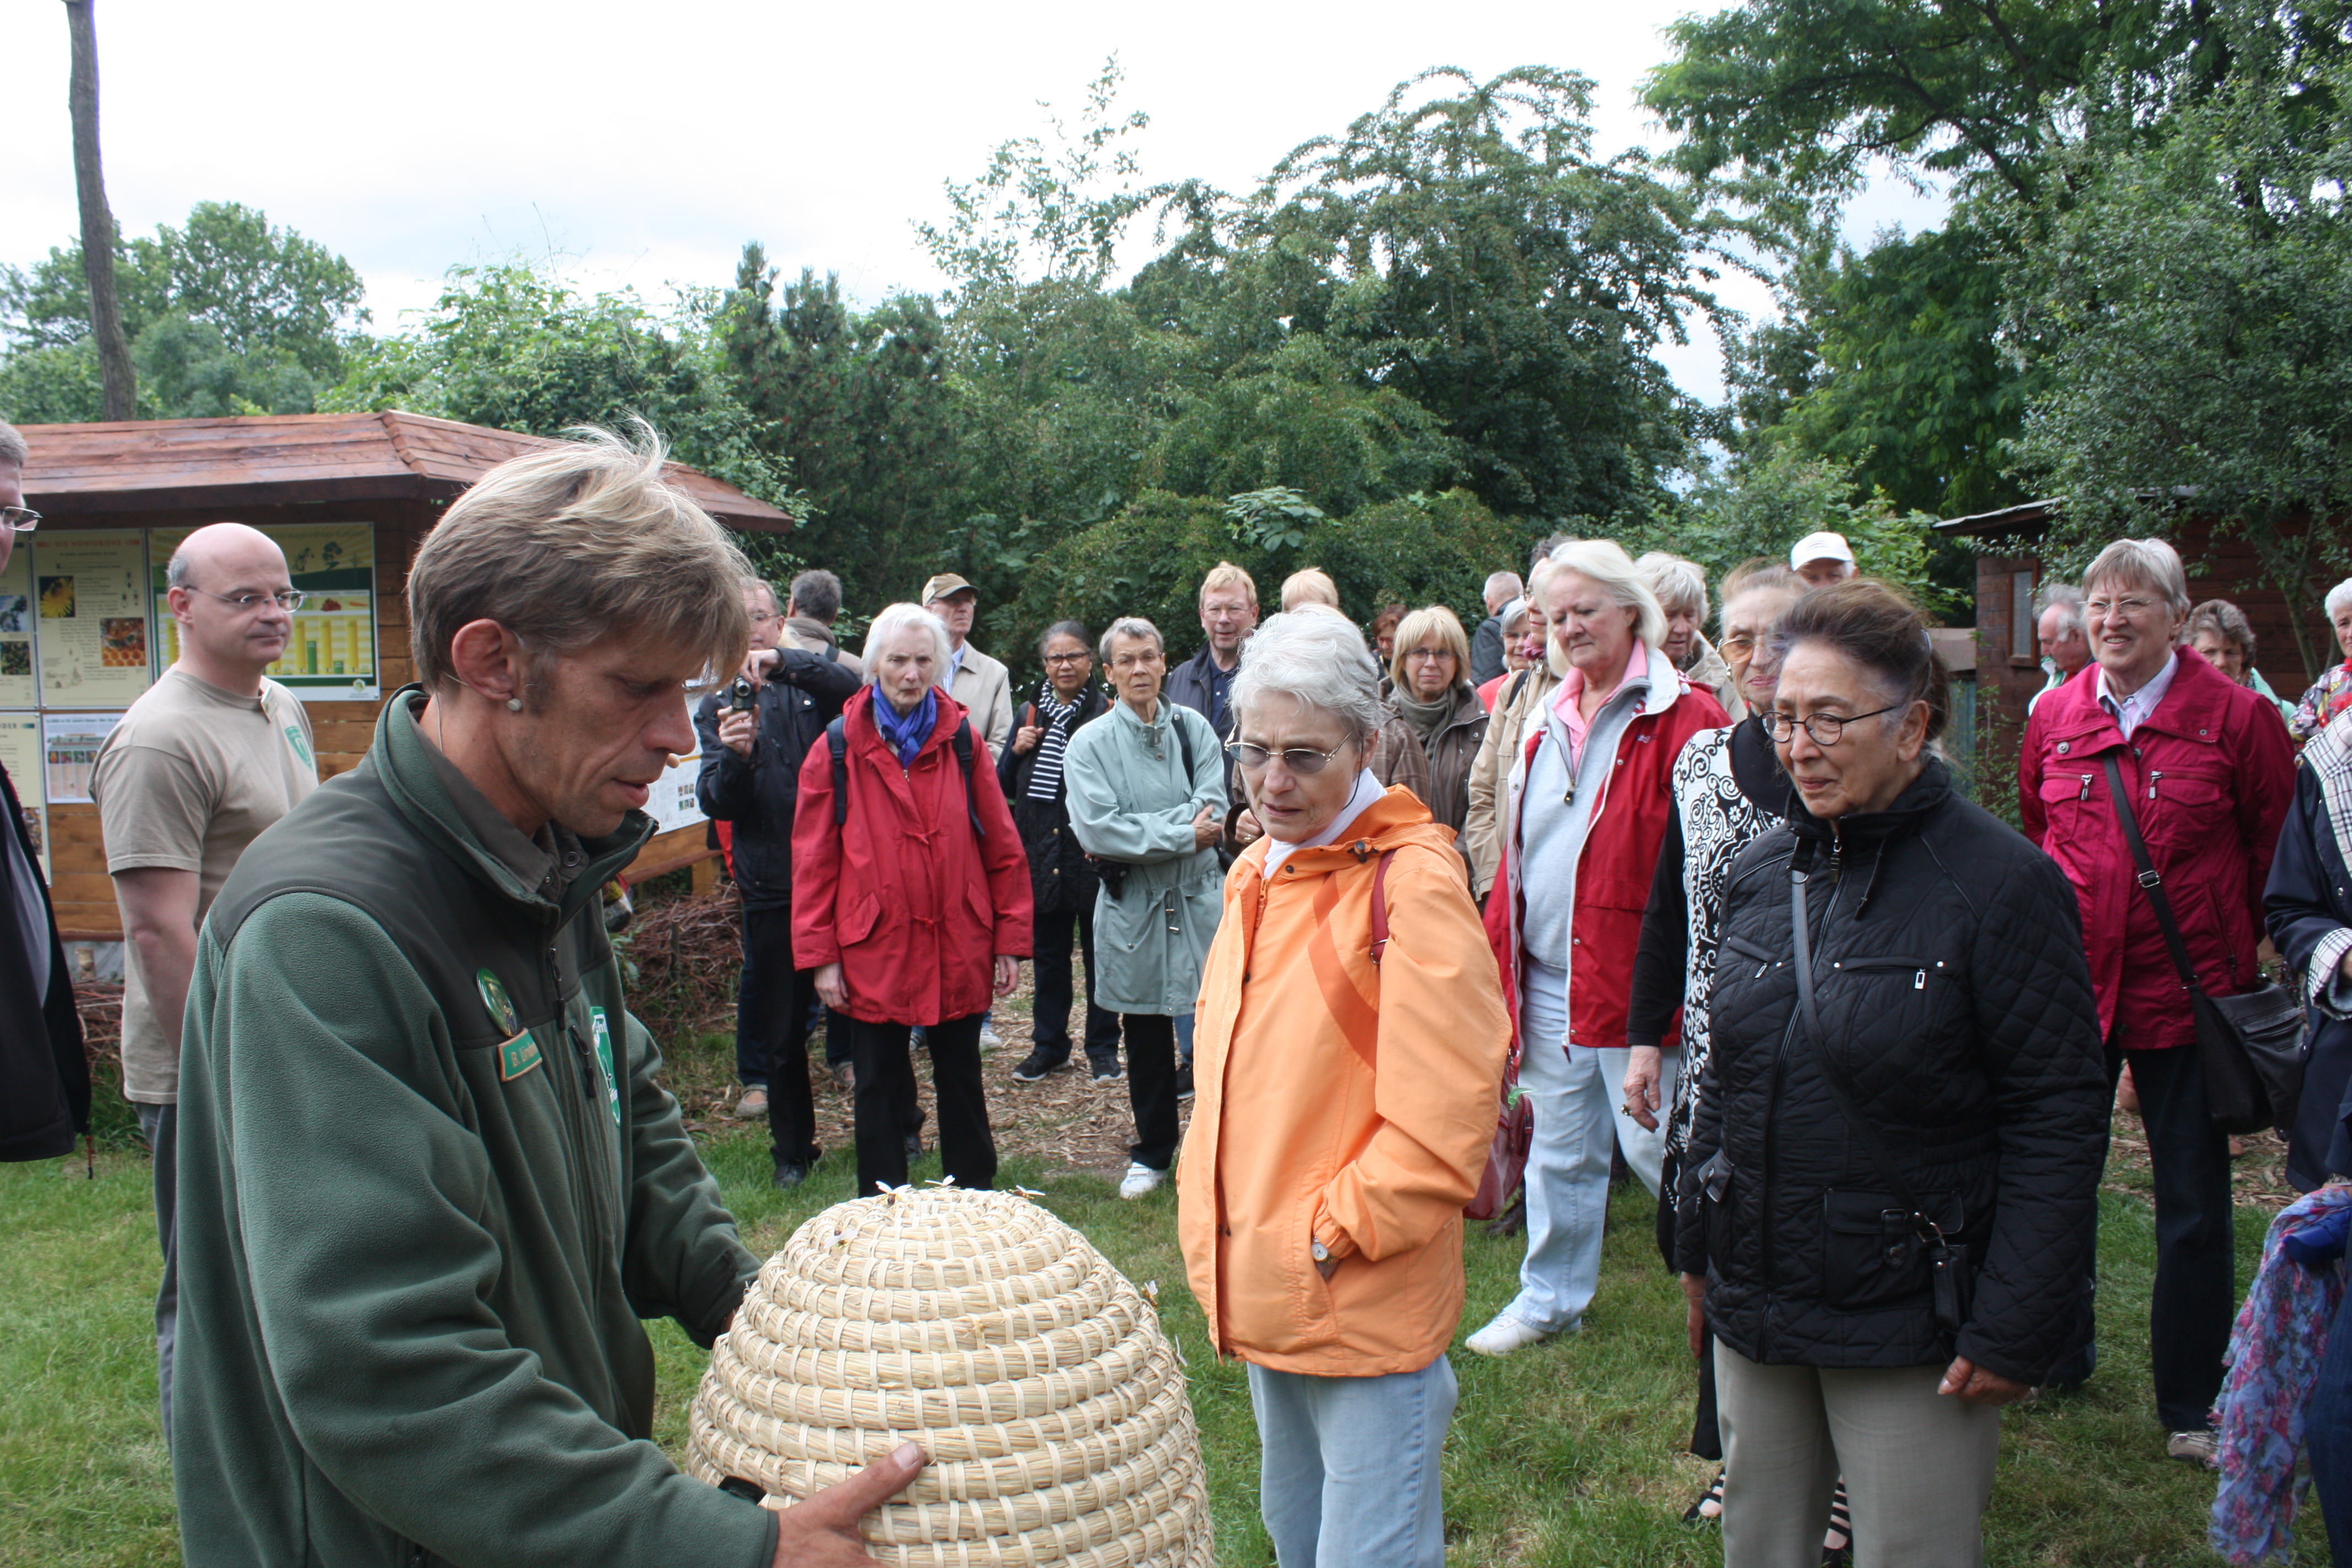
(1918, 1465)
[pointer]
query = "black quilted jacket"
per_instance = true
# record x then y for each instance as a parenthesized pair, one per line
(1951, 983)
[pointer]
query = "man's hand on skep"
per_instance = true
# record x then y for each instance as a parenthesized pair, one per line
(821, 1533)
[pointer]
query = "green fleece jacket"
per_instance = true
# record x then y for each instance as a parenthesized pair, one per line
(429, 1184)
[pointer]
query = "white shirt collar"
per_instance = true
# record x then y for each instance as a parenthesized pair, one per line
(1367, 790)
(2131, 713)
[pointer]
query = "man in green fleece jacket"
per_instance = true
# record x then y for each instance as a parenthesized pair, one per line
(429, 1179)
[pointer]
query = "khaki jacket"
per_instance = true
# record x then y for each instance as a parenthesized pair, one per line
(986, 688)
(1482, 840)
(1341, 1101)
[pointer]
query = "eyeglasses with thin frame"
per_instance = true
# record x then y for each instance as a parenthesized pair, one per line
(2129, 609)
(1069, 657)
(1426, 654)
(288, 601)
(1736, 645)
(1783, 729)
(22, 518)
(1301, 760)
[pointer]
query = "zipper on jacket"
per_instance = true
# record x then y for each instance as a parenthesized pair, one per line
(2085, 794)
(589, 1189)
(2152, 779)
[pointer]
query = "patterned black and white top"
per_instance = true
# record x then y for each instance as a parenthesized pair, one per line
(1053, 717)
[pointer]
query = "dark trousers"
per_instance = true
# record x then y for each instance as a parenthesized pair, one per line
(1151, 1086)
(887, 1109)
(771, 1012)
(2329, 1429)
(1049, 1015)
(161, 1123)
(2196, 1237)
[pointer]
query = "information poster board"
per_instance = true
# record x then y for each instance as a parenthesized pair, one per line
(18, 686)
(70, 743)
(331, 654)
(20, 753)
(90, 609)
(670, 801)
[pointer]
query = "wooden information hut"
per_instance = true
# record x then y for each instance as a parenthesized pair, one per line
(84, 627)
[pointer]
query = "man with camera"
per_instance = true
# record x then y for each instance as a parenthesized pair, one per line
(754, 734)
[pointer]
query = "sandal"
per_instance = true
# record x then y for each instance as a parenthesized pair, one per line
(1709, 1507)
(1837, 1542)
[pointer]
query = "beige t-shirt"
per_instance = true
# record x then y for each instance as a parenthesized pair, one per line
(188, 779)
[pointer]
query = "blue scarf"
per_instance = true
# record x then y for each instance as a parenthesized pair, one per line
(905, 734)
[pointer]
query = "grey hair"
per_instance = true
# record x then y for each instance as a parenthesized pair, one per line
(1076, 630)
(1130, 626)
(1604, 561)
(177, 574)
(2225, 621)
(2142, 564)
(816, 593)
(1676, 581)
(2338, 599)
(2064, 597)
(897, 618)
(1321, 660)
(12, 445)
(1515, 613)
(1496, 581)
(775, 600)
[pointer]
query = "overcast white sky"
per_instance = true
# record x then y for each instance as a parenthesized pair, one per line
(645, 144)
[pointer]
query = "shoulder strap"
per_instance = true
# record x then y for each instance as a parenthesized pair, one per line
(1864, 1132)
(1184, 742)
(962, 742)
(2149, 879)
(836, 741)
(1381, 907)
(1519, 684)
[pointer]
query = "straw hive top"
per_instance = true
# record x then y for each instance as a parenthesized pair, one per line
(979, 1326)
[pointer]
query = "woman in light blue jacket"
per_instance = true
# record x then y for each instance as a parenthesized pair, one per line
(1147, 798)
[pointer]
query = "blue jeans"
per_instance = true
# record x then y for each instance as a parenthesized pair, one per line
(2327, 1428)
(1349, 1472)
(1578, 1094)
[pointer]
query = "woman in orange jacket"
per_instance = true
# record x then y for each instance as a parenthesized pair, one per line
(1349, 1051)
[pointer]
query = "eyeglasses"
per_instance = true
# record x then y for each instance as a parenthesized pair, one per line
(23, 518)
(290, 601)
(2129, 609)
(1127, 661)
(1426, 654)
(1302, 760)
(1824, 727)
(1067, 657)
(1736, 646)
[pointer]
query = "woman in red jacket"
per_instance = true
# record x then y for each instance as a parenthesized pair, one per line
(1583, 817)
(910, 893)
(2210, 773)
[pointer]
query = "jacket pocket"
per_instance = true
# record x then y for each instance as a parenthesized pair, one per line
(864, 914)
(1871, 1251)
(1713, 1182)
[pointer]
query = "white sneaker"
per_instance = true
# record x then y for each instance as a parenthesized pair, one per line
(1141, 1179)
(989, 1038)
(1504, 1335)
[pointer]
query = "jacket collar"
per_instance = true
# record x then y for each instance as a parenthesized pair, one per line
(1396, 819)
(1921, 797)
(2329, 757)
(403, 760)
(947, 713)
(2193, 709)
(1756, 768)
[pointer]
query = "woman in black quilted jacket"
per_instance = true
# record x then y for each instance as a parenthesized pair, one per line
(1895, 1185)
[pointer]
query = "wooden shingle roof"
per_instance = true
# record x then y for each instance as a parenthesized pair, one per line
(281, 460)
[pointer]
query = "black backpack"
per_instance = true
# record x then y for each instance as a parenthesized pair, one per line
(836, 741)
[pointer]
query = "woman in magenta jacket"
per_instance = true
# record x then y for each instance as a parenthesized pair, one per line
(2210, 773)
(1582, 820)
(909, 897)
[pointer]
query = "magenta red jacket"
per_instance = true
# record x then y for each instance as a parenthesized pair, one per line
(2211, 775)
(912, 904)
(1620, 856)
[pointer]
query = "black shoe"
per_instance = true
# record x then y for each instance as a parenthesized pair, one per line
(790, 1176)
(1038, 1063)
(920, 1038)
(914, 1145)
(1105, 1068)
(1184, 1083)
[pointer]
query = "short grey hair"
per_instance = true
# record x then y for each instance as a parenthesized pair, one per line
(2064, 597)
(1605, 561)
(1498, 580)
(2338, 599)
(775, 600)
(1676, 582)
(816, 593)
(1513, 614)
(1321, 660)
(2225, 621)
(2148, 564)
(12, 445)
(1130, 626)
(897, 618)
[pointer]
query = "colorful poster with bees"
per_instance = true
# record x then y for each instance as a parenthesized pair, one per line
(18, 687)
(330, 653)
(70, 743)
(89, 602)
(20, 753)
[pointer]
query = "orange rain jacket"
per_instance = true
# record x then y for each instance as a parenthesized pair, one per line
(1341, 1099)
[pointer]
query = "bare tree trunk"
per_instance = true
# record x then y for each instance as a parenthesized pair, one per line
(116, 375)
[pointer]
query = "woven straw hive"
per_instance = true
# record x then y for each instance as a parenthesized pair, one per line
(977, 1324)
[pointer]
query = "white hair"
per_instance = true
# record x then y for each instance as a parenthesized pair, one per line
(1130, 626)
(2338, 597)
(2148, 564)
(2066, 599)
(1318, 658)
(1676, 581)
(1604, 561)
(897, 618)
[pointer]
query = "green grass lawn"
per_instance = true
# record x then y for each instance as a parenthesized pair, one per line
(1569, 1453)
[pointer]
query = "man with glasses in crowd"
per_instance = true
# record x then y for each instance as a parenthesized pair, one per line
(43, 1078)
(1228, 614)
(212, 753)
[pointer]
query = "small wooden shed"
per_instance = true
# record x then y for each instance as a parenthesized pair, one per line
(83, 628)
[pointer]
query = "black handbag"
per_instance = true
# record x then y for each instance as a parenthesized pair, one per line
(2251, 1045)
(1948, 1264)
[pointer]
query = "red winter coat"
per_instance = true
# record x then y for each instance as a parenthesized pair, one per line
(1619, 859)
(902, 895)
(2210, 774)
